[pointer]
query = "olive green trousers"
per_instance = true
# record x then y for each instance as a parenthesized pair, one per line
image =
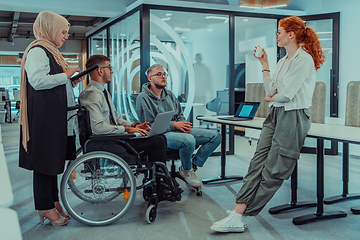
(281, 139)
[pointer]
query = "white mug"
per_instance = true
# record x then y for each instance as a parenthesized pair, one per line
(259, 52)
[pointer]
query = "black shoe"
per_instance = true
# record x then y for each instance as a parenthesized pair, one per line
(178, 190)
(167, 189)
(194, 167)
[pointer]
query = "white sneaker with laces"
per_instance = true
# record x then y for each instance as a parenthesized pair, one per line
(231, 223)
(190, 177)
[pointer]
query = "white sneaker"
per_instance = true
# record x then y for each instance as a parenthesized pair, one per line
(231, 223)
(190, 177)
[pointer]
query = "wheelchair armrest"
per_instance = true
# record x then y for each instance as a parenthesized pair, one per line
(197, 117)
(122, 136)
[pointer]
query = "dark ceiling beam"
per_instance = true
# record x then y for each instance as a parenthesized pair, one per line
(27, 20)
(14, 25)
(5, 20)
(97, 21)
(92, 23)
(21, 27)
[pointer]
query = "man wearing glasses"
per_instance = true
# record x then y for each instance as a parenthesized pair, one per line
(105, 119)
(154, 99)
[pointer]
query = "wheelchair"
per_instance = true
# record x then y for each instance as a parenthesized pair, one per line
(99, 186)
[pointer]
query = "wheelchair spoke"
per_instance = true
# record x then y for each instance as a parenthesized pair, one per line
(103, 190)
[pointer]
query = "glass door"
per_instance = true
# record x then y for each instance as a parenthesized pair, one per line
(327, 27)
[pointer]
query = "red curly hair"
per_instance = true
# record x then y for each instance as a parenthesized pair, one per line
(306, 36)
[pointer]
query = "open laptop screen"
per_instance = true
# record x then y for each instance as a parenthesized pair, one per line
(247, 109)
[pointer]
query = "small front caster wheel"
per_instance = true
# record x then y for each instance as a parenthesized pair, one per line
(151, 214)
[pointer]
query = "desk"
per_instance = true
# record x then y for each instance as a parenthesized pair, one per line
(256, 123)
(9, 224)
(6, 196)
(319, 131)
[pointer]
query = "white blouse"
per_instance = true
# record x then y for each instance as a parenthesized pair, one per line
(37, 69)
(294, 79)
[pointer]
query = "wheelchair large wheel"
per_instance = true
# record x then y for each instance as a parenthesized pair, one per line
(98, 188)
(79, 152)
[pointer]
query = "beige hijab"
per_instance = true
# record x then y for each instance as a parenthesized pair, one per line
(47, 27)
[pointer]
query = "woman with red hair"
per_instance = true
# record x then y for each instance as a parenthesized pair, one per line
(289, 92)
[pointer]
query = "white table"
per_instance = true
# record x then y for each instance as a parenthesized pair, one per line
(6, 196)
(321, 132)
(9, 225)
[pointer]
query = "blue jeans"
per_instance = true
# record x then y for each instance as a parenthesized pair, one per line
(207, 139)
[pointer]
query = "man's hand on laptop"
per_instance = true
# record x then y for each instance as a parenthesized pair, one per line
(132, 130)
(183, 126)
(144, 125)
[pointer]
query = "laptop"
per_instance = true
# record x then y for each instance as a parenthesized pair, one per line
(160, 125)
(246, 111)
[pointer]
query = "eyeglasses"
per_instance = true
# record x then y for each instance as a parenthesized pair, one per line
(110, 67)
(159, 74)
(66, 34)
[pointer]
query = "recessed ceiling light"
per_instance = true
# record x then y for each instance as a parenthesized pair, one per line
(168, 14)
(217, 17)
(179, 29)
(284, 5)
(165, 19)
(324, 33)
(245, 19)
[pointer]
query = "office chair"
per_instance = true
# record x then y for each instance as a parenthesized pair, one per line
(17, 102)
(213, 106)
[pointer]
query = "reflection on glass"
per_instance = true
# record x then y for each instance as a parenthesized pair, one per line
(251, 32)
(98, 43)
(194, 53)
(323, 29)
(125, 60)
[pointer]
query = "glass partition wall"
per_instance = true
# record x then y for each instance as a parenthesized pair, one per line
(201, 50)
(125, 61)
(207, 53)
(97, 43)
(251, 32)
(194, 50)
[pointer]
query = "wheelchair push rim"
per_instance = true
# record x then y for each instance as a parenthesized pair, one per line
(98, 188)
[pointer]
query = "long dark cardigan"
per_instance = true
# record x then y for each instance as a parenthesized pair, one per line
(47, 116)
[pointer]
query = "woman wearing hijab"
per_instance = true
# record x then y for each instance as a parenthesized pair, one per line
(47, 138)
(284, 130)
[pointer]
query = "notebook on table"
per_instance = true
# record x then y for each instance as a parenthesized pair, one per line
(160, 125)
(245, 111)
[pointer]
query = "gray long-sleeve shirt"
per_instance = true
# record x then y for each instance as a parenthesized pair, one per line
(148, 105)
(93, 99)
